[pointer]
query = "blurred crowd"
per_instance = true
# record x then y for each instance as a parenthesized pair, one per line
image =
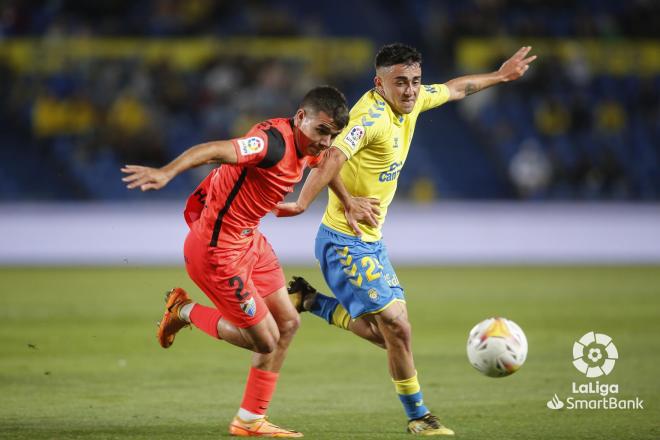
(87, 120)
(435, 21)
(568, 131)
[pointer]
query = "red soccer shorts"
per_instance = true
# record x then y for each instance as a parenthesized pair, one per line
(236, 280)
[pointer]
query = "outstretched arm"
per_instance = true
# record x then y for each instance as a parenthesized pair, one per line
(147, 178)
(511, 70)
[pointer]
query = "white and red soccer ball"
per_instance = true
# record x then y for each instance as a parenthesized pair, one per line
(497, 347)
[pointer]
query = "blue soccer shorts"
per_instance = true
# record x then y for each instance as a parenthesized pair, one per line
(359, 273)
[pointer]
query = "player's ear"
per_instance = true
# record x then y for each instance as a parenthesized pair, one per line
(298, 118)
(378, 83)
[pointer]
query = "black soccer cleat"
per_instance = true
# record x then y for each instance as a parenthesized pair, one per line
(301, 294)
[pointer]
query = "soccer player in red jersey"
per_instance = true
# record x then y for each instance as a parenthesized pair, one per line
(227, 256)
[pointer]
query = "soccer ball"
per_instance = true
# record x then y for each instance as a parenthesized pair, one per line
(497, 347)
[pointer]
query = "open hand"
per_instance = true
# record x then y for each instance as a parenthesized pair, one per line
(146, 178)
(517, 65)
(362, 210)
(288, 209)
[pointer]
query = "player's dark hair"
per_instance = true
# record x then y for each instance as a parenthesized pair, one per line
(329, 100)
(397, 53)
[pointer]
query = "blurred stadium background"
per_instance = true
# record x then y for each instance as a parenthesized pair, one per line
(89, 86)
(92, 85)
(559, 170)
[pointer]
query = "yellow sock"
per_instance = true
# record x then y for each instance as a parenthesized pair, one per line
(407, 386)
(340, 317)
(410, 395)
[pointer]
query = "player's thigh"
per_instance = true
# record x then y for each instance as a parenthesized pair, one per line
(264, 335)
(225, 277)
(398, 307)
(267, 274)
(355, 274)
(389, 274)
(395, 316)
(397, 311)
(285, 315)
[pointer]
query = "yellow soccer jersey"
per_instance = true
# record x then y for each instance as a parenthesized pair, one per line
(376, 142)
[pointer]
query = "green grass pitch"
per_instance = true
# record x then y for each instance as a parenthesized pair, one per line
(79, 358)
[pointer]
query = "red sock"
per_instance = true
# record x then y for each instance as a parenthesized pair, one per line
(259, 390)
(206, 319)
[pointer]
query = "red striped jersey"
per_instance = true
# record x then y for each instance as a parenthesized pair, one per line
(227, 206)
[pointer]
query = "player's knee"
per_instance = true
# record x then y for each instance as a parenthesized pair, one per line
(265, 342)
(289, 326)
(379, 341)
(265, 348)
(400, 330)
(376, 337)
(265, 345)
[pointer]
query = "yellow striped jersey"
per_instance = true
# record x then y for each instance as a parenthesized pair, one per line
(376, 142)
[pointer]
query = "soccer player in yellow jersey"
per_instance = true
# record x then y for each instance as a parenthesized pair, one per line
(362, 169)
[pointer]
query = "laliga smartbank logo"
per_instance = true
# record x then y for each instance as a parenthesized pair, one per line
(594, 355)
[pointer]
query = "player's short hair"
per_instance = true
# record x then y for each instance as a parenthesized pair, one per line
(330, 100)
(397, 53)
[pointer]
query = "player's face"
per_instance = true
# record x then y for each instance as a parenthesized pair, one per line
(399, 85)
(316, 131)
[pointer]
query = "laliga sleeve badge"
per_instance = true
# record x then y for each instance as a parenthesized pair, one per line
(353, 137)
(251, 145)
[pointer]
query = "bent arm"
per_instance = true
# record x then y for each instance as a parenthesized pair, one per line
(356, 209)
(512, 69)
(337, 186)
(316, 180)
(147, 178)
(321, 176)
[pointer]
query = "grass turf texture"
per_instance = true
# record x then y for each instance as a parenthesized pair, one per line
(79, 358)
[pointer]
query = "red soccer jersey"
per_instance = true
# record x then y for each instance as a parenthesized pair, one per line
(234, 198)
